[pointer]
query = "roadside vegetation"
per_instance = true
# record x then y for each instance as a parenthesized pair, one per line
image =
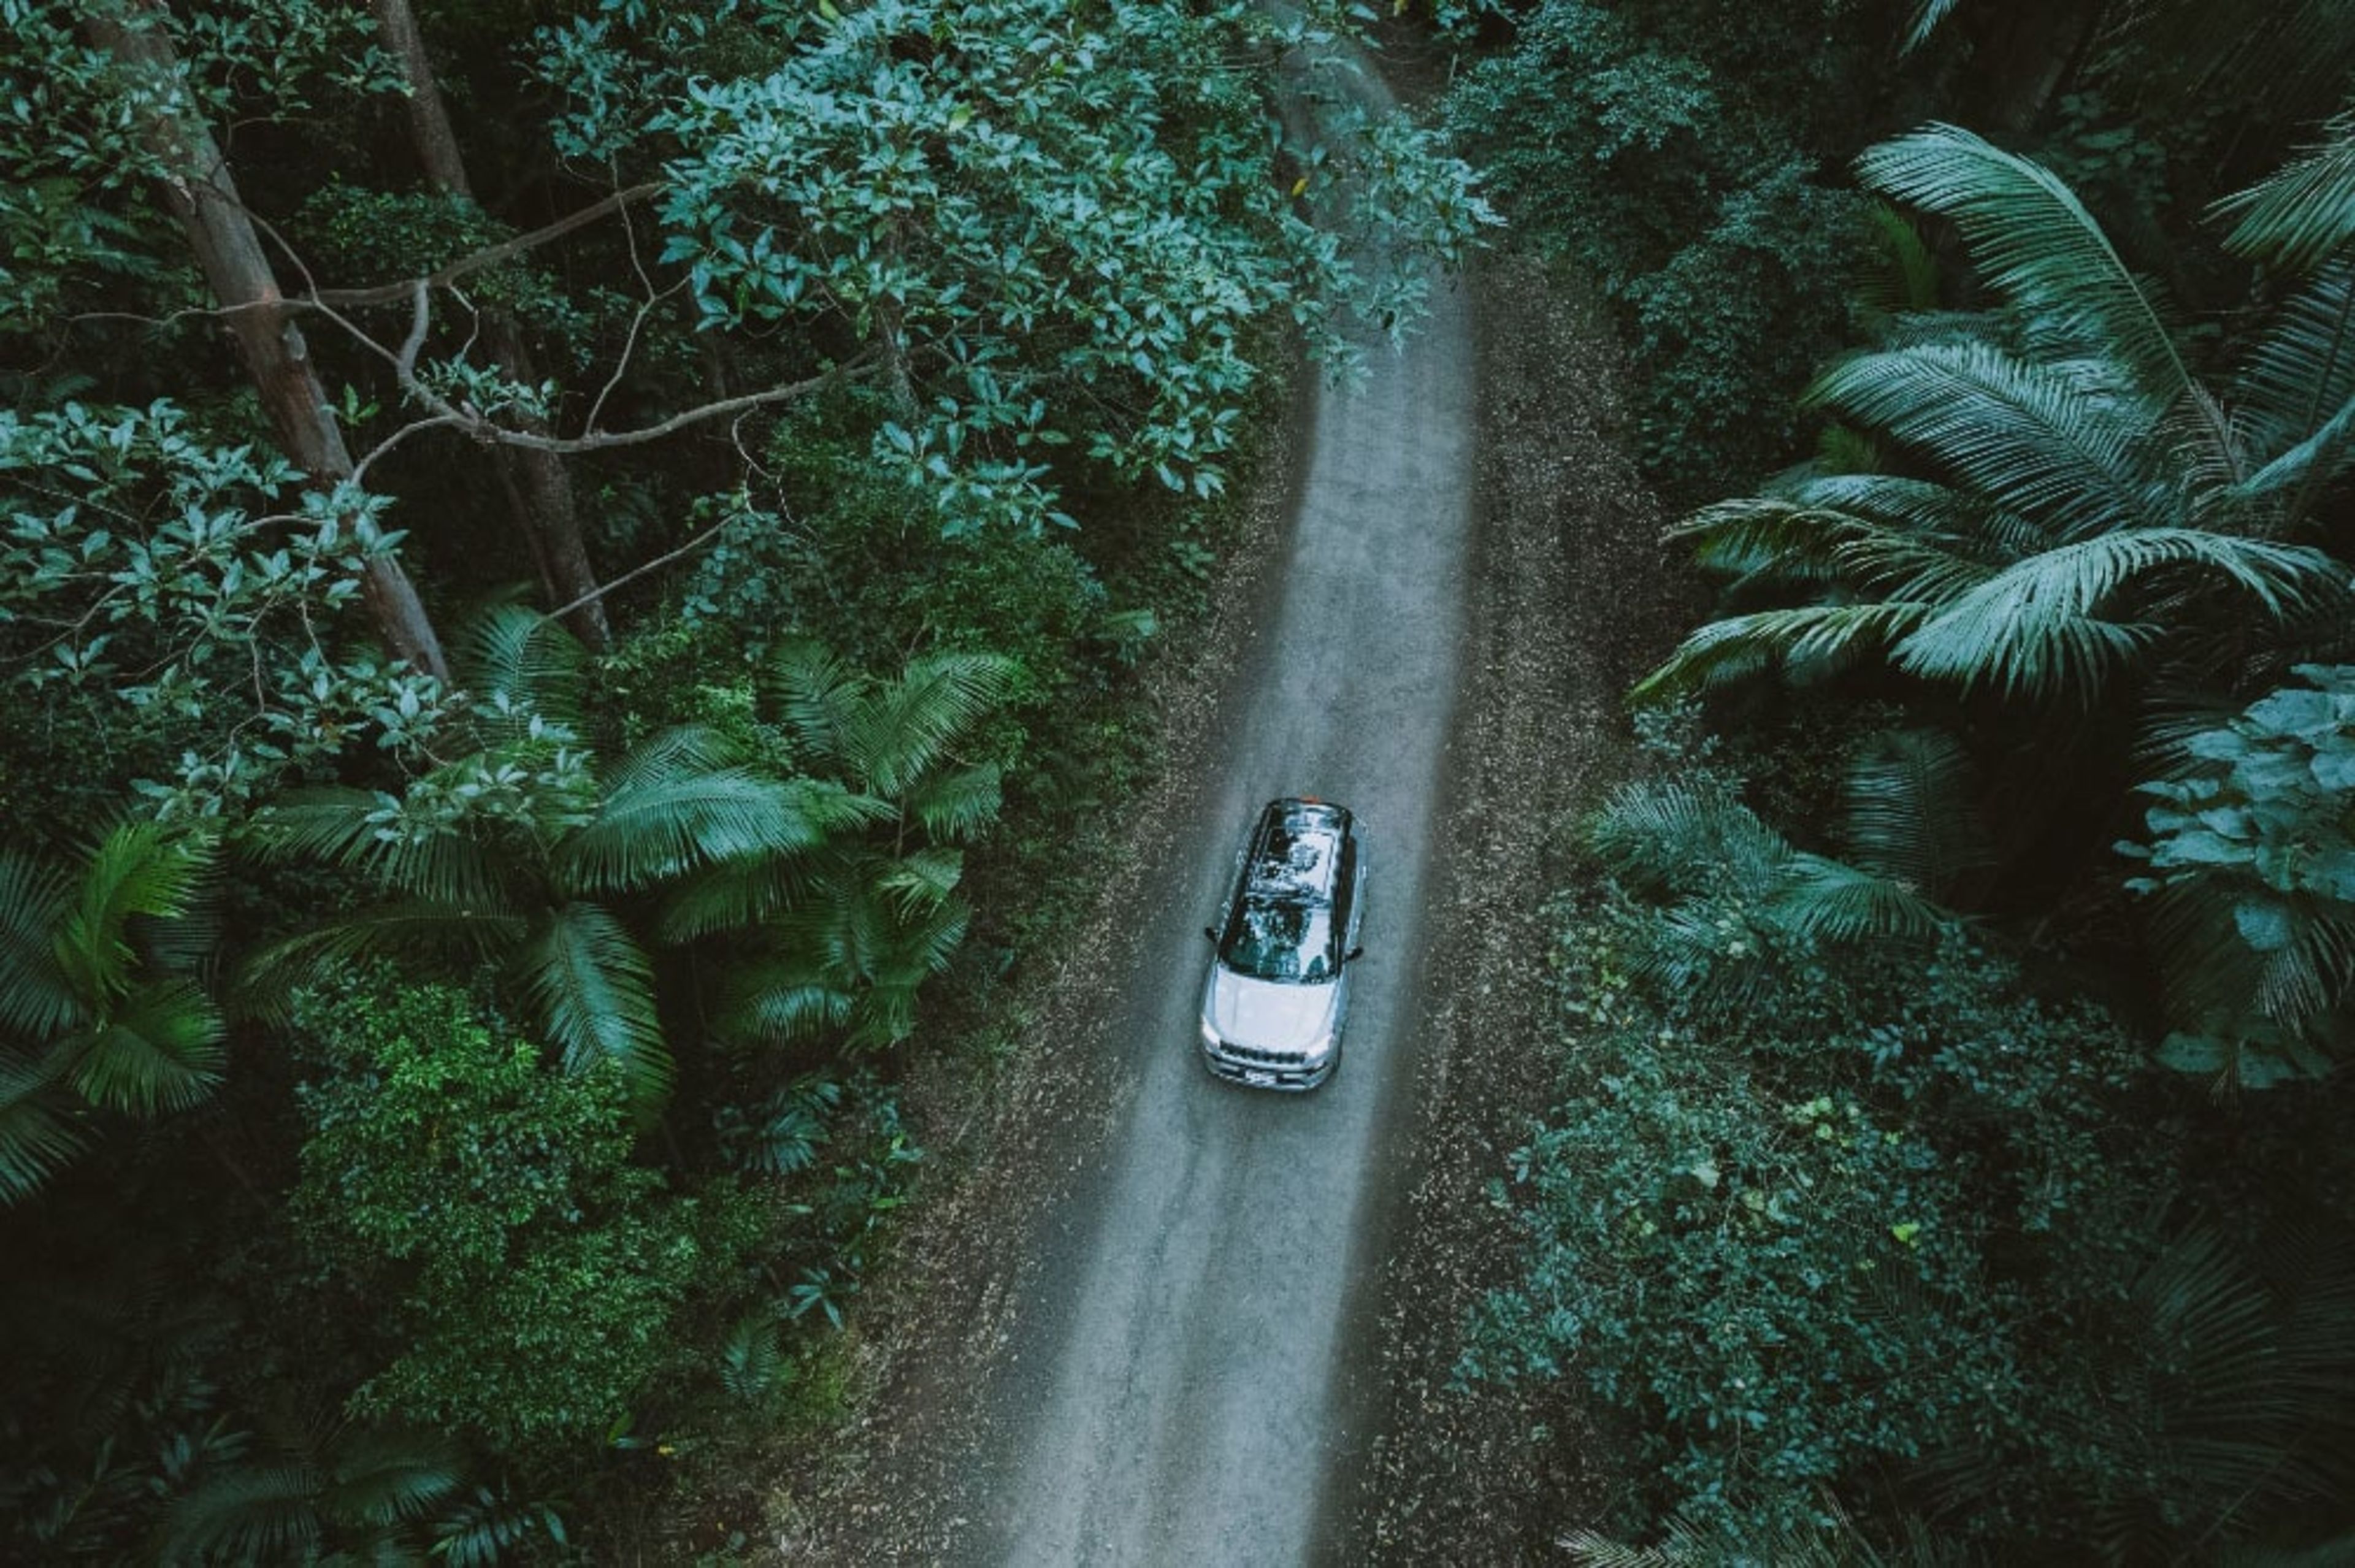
(1950, 1010)
(570, 576)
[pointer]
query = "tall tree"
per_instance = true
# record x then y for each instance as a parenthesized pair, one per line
(538, 486)
(528, 852)
(197, 187)
(2062, 500)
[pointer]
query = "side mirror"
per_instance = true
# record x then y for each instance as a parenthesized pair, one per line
(1353, 955)
(1212, 932)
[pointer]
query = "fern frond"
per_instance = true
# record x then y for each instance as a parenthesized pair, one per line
(591, 991)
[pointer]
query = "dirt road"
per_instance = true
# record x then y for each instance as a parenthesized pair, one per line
(1176, 1396)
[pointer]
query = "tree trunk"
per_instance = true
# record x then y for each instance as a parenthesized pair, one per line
(537, 481)
(201, 195)
(2030, 55)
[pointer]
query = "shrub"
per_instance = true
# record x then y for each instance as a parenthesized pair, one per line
(523, 1276)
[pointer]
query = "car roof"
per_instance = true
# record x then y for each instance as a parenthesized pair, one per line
(1296, 851)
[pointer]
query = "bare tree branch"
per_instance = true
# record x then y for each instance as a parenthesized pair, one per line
(698, 542)
(393, 294)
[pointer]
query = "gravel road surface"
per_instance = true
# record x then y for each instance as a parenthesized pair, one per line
(1178, 1393)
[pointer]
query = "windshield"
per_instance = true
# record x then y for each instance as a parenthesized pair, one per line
(1281, 939)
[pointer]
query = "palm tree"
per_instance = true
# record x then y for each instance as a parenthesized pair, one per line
(100, 1005)
(322, 1489)
(1742, 907)
(846, 936)
(524, 852)
(2073, 504)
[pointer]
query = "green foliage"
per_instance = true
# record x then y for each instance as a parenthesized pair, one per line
(850, 933)
(525, 1278)
(1101, 222)
(2251, 852)
(518, 851)
(1785, 1292)
(168, 606)
(1651, 146)
(2074, 508)
(1832, 1221)
(100, 1007)
(72, 113)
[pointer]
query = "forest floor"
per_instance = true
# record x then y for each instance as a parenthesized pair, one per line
(1569, 596)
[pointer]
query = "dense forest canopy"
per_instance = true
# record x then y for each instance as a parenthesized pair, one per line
(569, 571)
(1954, 1010)
(562, 563)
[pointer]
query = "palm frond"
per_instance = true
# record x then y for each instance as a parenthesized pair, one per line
(1907, 281)
(679, 751)
(1751, 535)
(2025, 436)
(2302, 370)
(1834, 1543)
(254, 1513)
(1893, 501)
(359, 831)
(38, 1135)
(662, 827)
(480, 1531)
(379, 1476)
(139, 868)
(2306, 468)
(2036, 244)
(160, 1051)
(817, 694)
(957, 804)
(590, 988)
(1656, 834)
(923, 879)
(1927, 14)
(266, 984)
(732, 895)
(36, 1000)
(2035, 627)
(519, 665)
(2305, 211)
(906, 730)
(781, 999)
(1808, 641)
(1910, 816)
(1839, 902)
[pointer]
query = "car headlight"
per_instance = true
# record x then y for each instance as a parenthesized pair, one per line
(1210, 1036)
(1320, 1048)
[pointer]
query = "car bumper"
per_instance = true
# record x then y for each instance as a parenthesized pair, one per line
(1265, 1070)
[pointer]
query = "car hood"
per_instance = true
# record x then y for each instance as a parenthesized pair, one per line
(1267, 1015)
